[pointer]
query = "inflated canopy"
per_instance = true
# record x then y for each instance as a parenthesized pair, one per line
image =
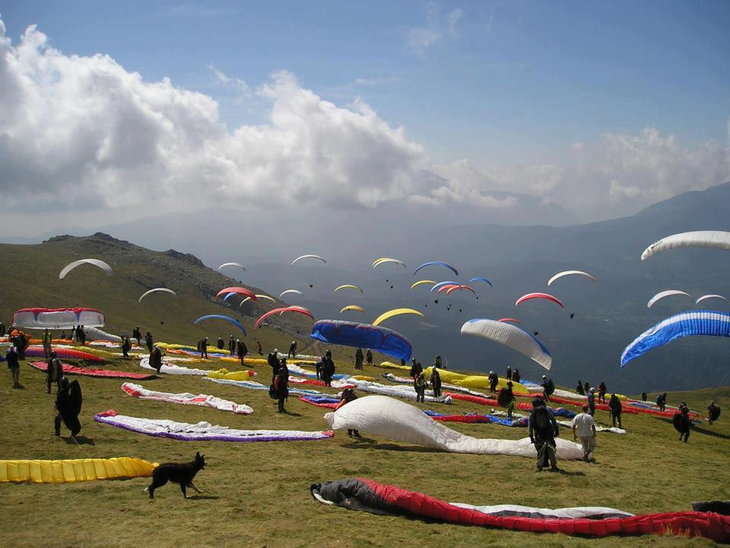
(395, 312)
(239, 290)
(348, 286)
(511, 336)
(303, 257)
(384, 260)
(58, 318)
(266, 297)
(273, 311)
(363, 335)
(697, 322)
(223, 317)
(460, 287)
(231, 294)
(481, 279)
(239, 265)
(547, 296)
(438, 286)
(712, 296)
(156, 290)
(436, 263)
(509, 320)
(559, 275)
(701, 238)
(288, 291)
(667, 293)
(352, 307)
(422, 282)
(95, 262)
(445, 288)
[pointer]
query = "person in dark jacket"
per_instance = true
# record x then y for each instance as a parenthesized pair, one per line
(586, 387)
(68, 407)
(516, 375)
(273, 360)
(437, 363)
(126, 347)
(281, 386)
(241, 350)
(2, 329)
(419, 384)
(543, 429)
(328, 369)
(602, 392)
(579, 389)
(591, 398)
(493, 381)
(231, 346)
(369, 357)
(682, 422)
(13, 359)
(661, 401)
(137, 334)
(220, 343)
(416, 369)
(348, 395)
(54, 373)
(359, 357)
(155, 359)
(436, 382)
(644, 396)
(148, 341)
(713, 412)
(548, 387)
(508, 376)
(81, 333)
(506, 399)
(203, 348)
(614, 404)
(292, 350)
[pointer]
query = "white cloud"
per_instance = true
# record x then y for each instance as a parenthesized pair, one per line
(454, 17)
(421, 38)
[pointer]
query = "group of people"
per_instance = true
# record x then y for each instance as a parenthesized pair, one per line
(420, 383)
(361, 358)
(325, 368)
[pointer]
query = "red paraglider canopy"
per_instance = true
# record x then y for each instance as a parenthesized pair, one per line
(240, 290)
(548, 296)
(298, 309)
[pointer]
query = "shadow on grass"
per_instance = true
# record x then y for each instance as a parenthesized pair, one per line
(79, 440)
(700, 430)
(367, 443)
(203, 497)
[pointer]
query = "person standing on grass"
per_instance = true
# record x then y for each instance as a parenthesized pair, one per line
(508, 376)
(281, 386)
(614, 404)
(579, 388)
(328, 369)
(241, 350)
(292, 350)
(416, 368)
(548, 387)
(584, 427)
(369, 358)
(54, 373)
(682, 422)
(602, 392)
(149, 342)
(506, 399)
(713, 412)
(13, 359)
(661, 401)
(155, 359)
(348, 395)
(273, 360)
(591, 401)
(516, 375)
(359, 358)
(493, 381)
(126, 347)
(231, 346)
(436, 382)
(543, 429)
(419, 384)
(220, 343)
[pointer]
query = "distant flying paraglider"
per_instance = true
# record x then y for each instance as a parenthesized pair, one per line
(356, 307)
(395, 312)
(556, 277)
(701, 238)
(310, 256)
(481, 279)
(422, 282)
(280, 311)
(436, 263)
(439, 285)
(348, 286)
(224, 265)
(663, 294)
(223, 317)
(385, 260)
(238, 290)
(156, 290)
(546, 296)
(95, 262)
(712, 296)
(509, 320)
(511, 336)
(266, 297)
(290, 291)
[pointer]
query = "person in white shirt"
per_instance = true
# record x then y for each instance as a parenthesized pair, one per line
(584, 427)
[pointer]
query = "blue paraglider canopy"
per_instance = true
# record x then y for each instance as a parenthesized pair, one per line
(696, 322)
(437, 263)
(221, 317)
(363, 335)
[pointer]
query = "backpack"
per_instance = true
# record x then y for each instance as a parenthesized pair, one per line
(541, 422)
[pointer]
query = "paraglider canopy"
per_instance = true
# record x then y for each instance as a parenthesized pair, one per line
(663, 294)
(436, 263)
(267, 297)
(422, 282)
(348, 286)
(481, 279)
(95, 262)
(156, 290)
(547, 296)
(239, 265)
(557, 276)
(310, 256)
(352, 307)
(363, 335)
(712, 296)
(273, 311)
(438, 286)
(511, 336)
(701, 238)
(288, 291)
(223, 317)
(385, 260)
(58, 318)
(395, 312)
(238, 290)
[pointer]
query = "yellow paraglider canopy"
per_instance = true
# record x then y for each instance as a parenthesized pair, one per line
(352, 307)
(382, 260)
(422, 282)
(63, 471)
(348, 286)
(396, 312)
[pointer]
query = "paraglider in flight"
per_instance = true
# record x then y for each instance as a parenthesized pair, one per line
(509, 320)
(239, 265)
(352, 307)
(511, 336)
(712, 296)
(395, 312)
(156, 290)
(481, 279)
(461, 287)
(229, 295)
(267, 297)
(701, 238)
(273, 311)
(697, 322)
(315, 257)
(547, 296)
(348, 286)
(422, 282)
(239, 290)
(363, 335)
(384, 260)
(446, 287)
(287, 291)
(667, 293)
(559, 275)
(223, 317)
(96, 262)
(572, 315)
(439, 285)
(437, 263)
(246, 299)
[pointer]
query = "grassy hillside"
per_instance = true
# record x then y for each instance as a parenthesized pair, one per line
(258, 493)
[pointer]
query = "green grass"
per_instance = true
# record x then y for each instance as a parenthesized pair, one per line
(259, 492)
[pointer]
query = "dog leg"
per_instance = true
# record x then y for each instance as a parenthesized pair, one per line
(191, 484)
(182, 488)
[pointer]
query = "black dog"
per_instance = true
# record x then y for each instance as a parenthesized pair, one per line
(178, 473)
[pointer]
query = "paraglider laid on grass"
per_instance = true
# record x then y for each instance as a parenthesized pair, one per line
(95, 262)
(279, 311)
(73, 470)
(702, 238)
(511, 336)
(556, 277)
(223, 317)
(58, 318)
(436, 263)
(155, 290)
(238, 290)
(546, 296)
(395, 312)
(363, 335)
(662, 294)
(697, 322)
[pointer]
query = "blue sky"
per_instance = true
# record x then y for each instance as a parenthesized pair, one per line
(583, 103)
(510, 75)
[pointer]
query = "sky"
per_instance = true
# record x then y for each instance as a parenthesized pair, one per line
(516, 112)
